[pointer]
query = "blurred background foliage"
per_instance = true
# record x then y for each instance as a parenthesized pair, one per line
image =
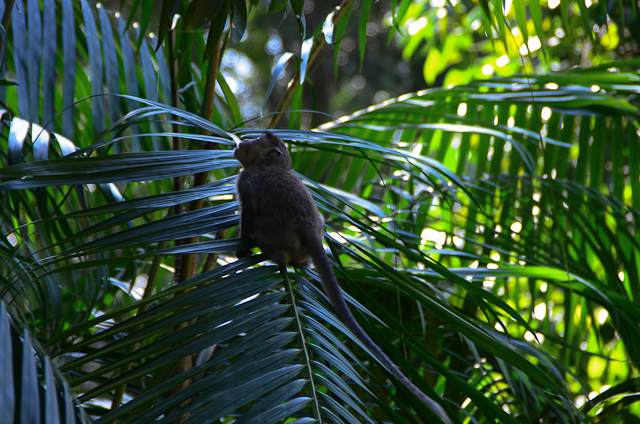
(478, 165)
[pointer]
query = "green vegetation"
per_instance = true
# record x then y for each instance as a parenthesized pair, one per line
(483, 225)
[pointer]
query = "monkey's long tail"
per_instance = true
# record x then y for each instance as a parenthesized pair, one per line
(332, 289)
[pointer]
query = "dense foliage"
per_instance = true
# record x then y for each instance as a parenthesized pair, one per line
(483, 225)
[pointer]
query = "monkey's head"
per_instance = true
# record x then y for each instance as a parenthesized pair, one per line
(266, 150)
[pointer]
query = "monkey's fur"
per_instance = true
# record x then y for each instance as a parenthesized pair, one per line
(278, 211)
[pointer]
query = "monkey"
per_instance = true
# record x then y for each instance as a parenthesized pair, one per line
(277, 210)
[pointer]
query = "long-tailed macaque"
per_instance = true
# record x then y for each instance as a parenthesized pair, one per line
(277, 210)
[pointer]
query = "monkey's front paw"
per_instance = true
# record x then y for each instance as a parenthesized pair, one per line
(244, 253)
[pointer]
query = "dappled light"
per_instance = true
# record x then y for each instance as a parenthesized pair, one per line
(475, 166)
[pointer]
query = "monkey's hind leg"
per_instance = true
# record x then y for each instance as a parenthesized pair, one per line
(282, 245)
(275, 252)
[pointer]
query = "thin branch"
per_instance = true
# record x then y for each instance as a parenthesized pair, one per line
(188, 261)
(295, 83)
(303, 342)
(148, 291)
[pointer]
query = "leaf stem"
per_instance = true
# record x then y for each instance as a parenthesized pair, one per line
(148, 291)
(295, 83)
(303, 342)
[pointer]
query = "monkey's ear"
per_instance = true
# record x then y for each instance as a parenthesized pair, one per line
(271, 155)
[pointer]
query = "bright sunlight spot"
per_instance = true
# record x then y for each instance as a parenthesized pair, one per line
(507, 7)
(516, 227)
(441, 13)
(595, 88)
(588, 3)
(602, 316)
(462, 109)
(546, 113)
(466, 403)
(498, 327)
(528, 336)
(141, 280)
(337, 237)
(540, 311)
(535, 210)
(515, 31)
(416, 26)
(543, 287)
(492, 266)
(536, 196)
(580, 400)
(534, 43)
(139, 285)
(621, 276)
(496, 257)
(174, 23)
(502, 61)
(553, 4)
(523, 50)
(435, 236)
(248, 299)
(221, 197)
(551, 86)
(511, 122)
(487, 69)
(12, 239)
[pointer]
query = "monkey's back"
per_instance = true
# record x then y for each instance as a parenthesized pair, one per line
(282, 211)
